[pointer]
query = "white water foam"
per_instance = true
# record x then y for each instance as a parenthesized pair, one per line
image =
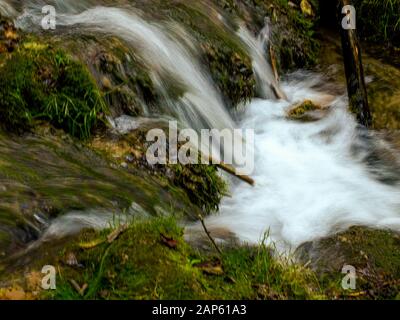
(309, 181)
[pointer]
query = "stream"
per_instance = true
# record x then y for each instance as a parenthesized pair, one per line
(313, 178)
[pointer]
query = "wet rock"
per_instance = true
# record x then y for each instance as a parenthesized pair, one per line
(375, 254)
(125, 124)
(300, 110)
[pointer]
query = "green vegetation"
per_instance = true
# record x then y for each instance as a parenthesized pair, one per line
(201, 183)
(121, 75)
(379, 20)
(44, 83)
(300, 110)
(151, 261)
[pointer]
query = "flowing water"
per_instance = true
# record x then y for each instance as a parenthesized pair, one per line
(312, 178)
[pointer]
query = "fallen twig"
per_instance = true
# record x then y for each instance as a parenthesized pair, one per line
(231, 170)
(116, 233)
(273, 63)
(80, 290)
(208, 234)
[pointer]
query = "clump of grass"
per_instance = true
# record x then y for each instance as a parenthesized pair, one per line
(202, 184)
(140, 264)
(43, 83)
(379, 20)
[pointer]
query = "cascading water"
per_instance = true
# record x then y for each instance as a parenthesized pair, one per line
(6, 9)
(268, 86)
(312, 178)
(309, 180)
(168, 57)
(201, 104)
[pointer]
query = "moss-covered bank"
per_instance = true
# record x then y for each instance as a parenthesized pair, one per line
(379, 21)
(150, 260)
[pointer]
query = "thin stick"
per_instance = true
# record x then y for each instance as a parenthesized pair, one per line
(209, 235)
(273, 63)
(80, 290)
(231, 170)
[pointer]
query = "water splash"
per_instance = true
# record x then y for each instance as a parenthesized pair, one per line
(312, 177)
(7, 9)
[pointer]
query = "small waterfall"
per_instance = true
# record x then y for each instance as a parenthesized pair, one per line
(6, 9)
(310, 182)
(201, 104)
(166, 50)
(267, 84)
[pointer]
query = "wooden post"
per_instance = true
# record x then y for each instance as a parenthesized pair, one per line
(356, 88)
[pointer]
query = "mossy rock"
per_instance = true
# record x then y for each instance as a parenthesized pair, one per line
(202, 183)
(374, 253)
(120, 74)
(40, 82)
(300, 111)
(219, 47)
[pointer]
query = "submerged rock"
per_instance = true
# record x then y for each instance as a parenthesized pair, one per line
(303, 110)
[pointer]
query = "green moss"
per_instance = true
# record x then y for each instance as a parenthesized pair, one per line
(229, 64)
(301, 109)
(297, 46)
(202, 184)
(130, 86)
(39, 82)
(374, 253)
(141, 265)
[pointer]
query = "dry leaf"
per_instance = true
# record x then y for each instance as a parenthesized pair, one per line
(169, 242)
